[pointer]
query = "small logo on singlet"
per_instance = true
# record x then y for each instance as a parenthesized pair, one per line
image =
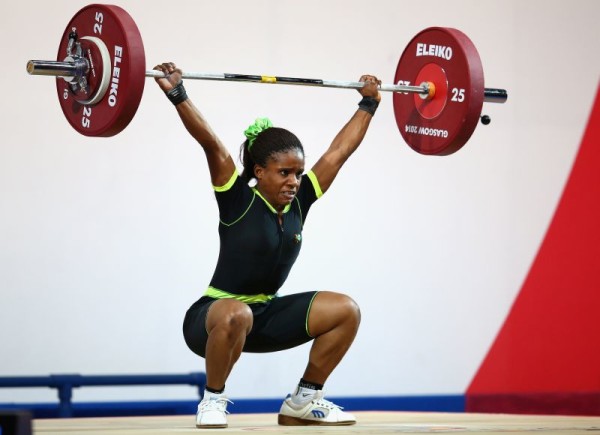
(297, 238)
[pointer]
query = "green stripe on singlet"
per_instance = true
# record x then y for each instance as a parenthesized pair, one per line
(285, 209)
(308, 313)
(248, 299)
(227, 186)
(313, 179)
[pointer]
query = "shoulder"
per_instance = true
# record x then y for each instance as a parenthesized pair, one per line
(309, 192)
(235, 178)
(311, 182)
(233, 198)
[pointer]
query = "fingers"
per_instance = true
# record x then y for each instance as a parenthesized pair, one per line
(369, 79)
(168, 68)
(371, 87)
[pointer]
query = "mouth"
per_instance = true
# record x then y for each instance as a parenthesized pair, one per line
(288, 195)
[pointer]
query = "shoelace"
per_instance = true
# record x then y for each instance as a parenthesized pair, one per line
(219, 404)
(324, 403)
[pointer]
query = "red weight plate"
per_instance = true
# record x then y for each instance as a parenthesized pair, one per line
(448, 58)
(114, 27)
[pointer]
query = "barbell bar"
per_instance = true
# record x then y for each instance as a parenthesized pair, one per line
(437, 95)
(74, 69)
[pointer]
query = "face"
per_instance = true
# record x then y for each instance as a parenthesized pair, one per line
(279, 180)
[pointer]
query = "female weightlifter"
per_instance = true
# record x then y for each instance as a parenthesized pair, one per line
(262, 212)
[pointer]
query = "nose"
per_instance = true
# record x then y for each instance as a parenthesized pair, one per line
(293, 180)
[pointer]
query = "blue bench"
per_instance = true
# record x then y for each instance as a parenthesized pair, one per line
(65, 383)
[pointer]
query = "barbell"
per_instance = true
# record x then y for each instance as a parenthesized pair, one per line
(101, 69)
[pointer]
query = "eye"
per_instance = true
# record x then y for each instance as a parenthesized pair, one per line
(284, 172)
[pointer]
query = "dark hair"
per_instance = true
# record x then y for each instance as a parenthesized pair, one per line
(268, 142)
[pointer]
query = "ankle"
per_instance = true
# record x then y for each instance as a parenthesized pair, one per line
(214, 390)
(305, 392)
(212, 395)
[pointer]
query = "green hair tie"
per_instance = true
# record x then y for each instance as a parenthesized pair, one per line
(259, 125)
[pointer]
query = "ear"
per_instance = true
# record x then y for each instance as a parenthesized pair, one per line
(258, 171)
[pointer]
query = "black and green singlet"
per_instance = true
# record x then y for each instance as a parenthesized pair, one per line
(256, 251)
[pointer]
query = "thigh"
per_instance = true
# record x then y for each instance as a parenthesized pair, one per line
(331, 309)
(194, 325)
(280, 324)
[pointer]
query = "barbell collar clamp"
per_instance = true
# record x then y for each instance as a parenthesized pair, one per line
(78, 67)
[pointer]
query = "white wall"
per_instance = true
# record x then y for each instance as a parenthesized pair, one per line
(105, 242)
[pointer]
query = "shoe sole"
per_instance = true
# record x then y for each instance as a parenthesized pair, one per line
(211, 426)
(286, 420)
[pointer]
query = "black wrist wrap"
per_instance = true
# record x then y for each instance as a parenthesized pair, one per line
(177, 94)
(369, 105)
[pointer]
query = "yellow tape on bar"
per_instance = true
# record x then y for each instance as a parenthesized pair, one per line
(268, 79)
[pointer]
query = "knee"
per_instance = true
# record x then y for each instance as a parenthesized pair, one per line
(233, 319)
(239, 320)
(339, 308)
(351, 310)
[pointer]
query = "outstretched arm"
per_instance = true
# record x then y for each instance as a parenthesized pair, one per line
(349, 137)
(220, 163)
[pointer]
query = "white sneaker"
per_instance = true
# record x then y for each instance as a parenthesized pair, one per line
(212, 412)
(316, 412)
